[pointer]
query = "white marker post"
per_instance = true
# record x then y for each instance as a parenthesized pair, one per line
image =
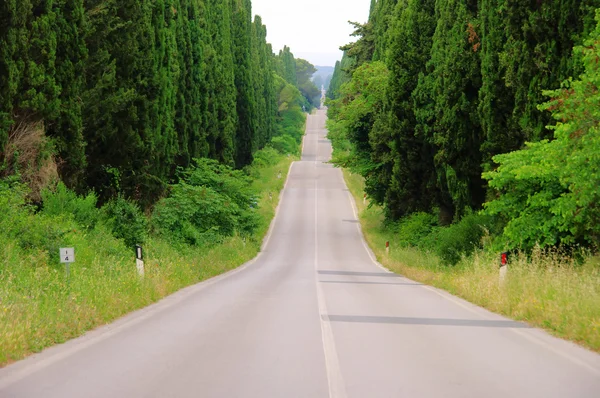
(387, 247)
(139, 260)
(67, 256)
(503, 267)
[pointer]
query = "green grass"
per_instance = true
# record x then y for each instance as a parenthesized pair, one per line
(553, 292)
(39, 307)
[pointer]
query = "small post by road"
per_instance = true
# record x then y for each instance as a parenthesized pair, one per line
(279, 175)
(364, 199)
(387, 247)
(139, 260)
(503, 267)
(270, 195)
(67, 257)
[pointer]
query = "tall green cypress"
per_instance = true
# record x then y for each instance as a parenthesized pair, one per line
(454, 83)
(382, 17)
(191, 106)
(408, 158)
(288, 66)
(71, 57)
(340, 76)
(246, 124)
(118, 102)
(221, 119)
(42, 58)
(264, 89)
(526, 48)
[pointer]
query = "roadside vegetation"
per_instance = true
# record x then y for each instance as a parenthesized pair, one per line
(165, 124)
(545, 288)
(213, 221)
(469, 145)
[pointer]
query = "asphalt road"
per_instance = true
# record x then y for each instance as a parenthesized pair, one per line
(314, 316)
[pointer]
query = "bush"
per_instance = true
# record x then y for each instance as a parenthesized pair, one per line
(20, 225)
(211, 202)
(126, 221)
(461, 239)
(62, 201)
(285, 144)
(267, 156)
(416, 229)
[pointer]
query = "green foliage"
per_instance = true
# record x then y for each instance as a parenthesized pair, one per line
(549, 190)
(211, 202)
(465, 81)
(461, 239)
(140, 88)
(340, 76)
(407, 175)
(421, 230)
(304, 72)
(285, 144)
(19, 223)
(265, 157)
(416, 230)
(126, 221)
(62, 201)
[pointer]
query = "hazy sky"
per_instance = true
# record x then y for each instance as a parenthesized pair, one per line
(313, 29)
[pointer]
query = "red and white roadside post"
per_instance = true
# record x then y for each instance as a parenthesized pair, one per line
(387, 247)
(503, 267)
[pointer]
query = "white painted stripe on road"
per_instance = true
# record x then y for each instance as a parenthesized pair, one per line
(335, 379)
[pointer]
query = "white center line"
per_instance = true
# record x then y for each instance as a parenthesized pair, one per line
(337, 388)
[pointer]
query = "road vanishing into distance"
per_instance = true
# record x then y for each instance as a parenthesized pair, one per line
(313, 316)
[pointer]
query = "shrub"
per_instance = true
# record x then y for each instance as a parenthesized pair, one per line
(416, 229)
(19, 224)
(267, 156)
(212, 201)
(195, 215)
(62, 201)
(462, 238)
(126, 221)
(285, 144)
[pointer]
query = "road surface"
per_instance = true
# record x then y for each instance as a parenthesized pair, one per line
(314, 316)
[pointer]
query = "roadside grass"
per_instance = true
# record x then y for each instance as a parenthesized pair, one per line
(552, 292)
(39, 307)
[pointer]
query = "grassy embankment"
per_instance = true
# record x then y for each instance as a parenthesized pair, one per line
(39, 307)
(550, 292)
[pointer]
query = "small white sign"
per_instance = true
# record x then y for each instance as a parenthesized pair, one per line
(67, 255)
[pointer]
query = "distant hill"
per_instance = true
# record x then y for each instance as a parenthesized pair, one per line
(323, 76)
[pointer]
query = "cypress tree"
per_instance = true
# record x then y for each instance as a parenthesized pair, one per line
(454, 82)
(410, 166)
(381, 18)
(246, 123)
(287, 66)
(526, 48)
(71, 57)
(221, 91)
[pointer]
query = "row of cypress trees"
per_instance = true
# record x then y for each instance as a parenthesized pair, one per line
(463, 82)
(130, 90)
